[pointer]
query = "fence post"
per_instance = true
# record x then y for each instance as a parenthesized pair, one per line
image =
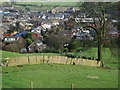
(72, 87)
(31, 85)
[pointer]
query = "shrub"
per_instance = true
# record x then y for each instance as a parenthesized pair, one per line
(29, 41)
(29, 35)
(66, 50)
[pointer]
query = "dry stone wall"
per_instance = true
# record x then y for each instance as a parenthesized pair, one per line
(13, 61)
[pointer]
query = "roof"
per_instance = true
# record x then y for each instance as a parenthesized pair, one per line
(55, 15)
(21, 33)
(4, 12)
(58, 15)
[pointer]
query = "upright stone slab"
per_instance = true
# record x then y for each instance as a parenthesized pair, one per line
(40, 59)
(88, 62)
(45, 59)
(77, 61)
(53, 59)
(93, 63)
(56, 59)
(21, 60)
(59, 59)
(50, 59)
(68, 60)
(32, 60)
(83, 62)
(98, 63)
(73, 61)
(11, 61)
(64, 59)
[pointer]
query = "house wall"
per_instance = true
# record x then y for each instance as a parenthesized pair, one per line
(13, 61)
(15, 46)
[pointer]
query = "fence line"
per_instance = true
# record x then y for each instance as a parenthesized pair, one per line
(13, 61)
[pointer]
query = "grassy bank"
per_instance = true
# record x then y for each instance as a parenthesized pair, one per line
(6, 54)
(110, 58)
(58, 76)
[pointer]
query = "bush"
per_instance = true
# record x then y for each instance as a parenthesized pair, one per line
(29, 35)
(66, 50)
(29, 41)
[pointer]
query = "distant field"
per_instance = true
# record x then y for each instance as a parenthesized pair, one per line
(52, 3)
(58, 76)
(45, 5)
(35, 7)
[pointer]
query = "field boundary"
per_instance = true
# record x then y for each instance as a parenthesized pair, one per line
(14, 61)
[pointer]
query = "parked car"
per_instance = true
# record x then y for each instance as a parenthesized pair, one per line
(23, 50)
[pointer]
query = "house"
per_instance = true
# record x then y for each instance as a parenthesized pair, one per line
(55, 16)
(58, 9)
(114, 32)
(85, 37)
(11, 39)
(70, 9)
(8, 6)
(51, 22)
(12, 16)
(46, 26)
(3, 30)
(21, 33)
(36, 32)
(84, 20)
(34, 13)
(13, 43)
(38, 29)
(82, 15)
(36, 46)
(8, 34)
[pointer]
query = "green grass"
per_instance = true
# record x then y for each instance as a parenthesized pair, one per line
(52, 3)
(58, 76)
(35, 7)
(6, 54)
(110, 60)
(45, 5)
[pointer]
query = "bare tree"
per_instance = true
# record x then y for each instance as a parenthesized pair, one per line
(99, 12)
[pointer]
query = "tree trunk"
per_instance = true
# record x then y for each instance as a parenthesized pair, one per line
(100, 46)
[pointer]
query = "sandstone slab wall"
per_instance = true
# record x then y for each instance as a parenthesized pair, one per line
(13, 61)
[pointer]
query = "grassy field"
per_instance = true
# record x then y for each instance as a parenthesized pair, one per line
(58, 76)
(6, 54)
(62, 76)
(35, 7)
(52, 3)
(110, 59)
(44, 5)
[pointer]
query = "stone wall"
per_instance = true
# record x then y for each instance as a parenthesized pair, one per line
(13, 61)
